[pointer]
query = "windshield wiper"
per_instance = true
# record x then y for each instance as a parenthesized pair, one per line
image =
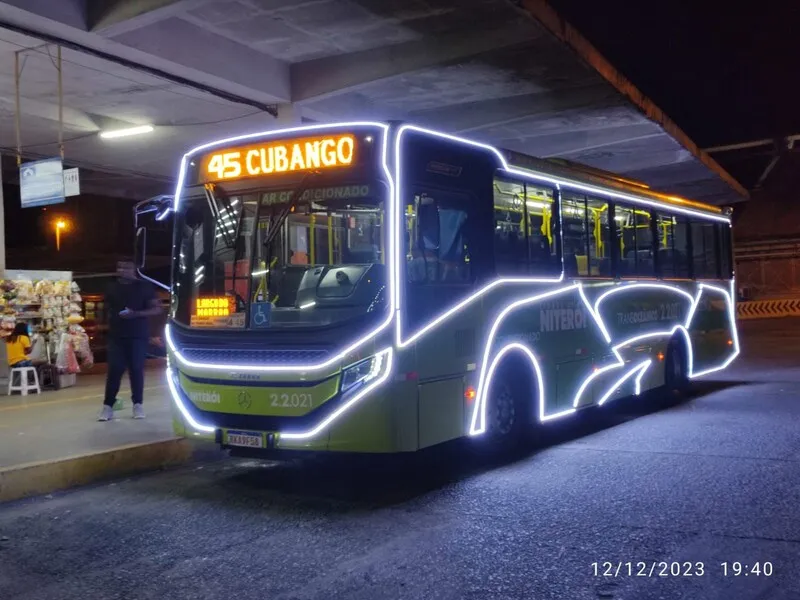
(229, 238)
(284, 214)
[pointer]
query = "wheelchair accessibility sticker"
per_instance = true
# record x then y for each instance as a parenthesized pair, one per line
(259, 314)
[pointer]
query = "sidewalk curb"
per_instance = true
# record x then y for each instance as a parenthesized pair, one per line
(34, 479)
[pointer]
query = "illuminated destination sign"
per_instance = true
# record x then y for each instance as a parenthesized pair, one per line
(274, 157)
(216, 312)
(214, 307)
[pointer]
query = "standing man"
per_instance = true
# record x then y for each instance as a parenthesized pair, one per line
(130, 301)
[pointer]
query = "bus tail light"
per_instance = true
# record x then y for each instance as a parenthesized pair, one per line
(470, 393)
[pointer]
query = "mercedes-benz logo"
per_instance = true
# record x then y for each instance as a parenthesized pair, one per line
(244, 400)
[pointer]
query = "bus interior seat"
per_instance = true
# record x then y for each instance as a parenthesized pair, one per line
(582, 262)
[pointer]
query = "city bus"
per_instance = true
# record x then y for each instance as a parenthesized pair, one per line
(383, 288)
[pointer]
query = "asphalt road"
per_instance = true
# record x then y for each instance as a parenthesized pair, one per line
(712, 480)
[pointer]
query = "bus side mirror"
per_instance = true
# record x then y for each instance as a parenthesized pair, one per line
(153, 214)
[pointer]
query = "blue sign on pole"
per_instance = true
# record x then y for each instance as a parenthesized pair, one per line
(41, 182)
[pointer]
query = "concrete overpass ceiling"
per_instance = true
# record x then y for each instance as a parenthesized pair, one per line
(482, 68)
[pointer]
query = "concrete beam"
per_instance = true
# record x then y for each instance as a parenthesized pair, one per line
(544, 13)
(123, 16)
(177, 41)
(626, 163)
(499, 112)
(103, 13)
(323, 77)
(223, 75)
(68, 12)
(73, 118)
(606, 140)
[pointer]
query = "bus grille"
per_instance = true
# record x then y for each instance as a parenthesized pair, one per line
(254, 357)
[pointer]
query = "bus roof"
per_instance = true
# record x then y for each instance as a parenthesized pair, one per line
(579, 173)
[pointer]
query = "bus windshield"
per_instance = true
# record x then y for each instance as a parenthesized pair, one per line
(261, 260)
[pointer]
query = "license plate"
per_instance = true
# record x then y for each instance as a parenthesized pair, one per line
(248, 439)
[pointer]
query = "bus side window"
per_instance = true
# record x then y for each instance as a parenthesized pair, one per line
(575, 236)
(510, 230)
(635, 243)
(438, 249)
(673, 245)
(704, 250)
(725, 250)
(524, 229)
(599, 238)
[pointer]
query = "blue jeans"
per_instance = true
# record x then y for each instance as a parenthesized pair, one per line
(22, 363)
(125, 354)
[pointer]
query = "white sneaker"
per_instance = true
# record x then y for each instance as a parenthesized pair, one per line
(138, 411)
(107, 414)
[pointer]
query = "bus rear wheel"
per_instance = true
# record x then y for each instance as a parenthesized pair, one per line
(676, 371)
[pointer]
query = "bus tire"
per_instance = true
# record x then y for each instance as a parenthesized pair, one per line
(509, 409)
(676, 368)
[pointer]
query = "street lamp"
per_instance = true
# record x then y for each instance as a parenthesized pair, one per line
(61, 224)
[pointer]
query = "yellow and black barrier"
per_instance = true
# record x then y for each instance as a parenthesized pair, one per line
(768, 309)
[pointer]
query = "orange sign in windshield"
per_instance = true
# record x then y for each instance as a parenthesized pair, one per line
(214, 307)
(268, 158)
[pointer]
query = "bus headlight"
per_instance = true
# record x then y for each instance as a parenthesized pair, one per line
(363, 371)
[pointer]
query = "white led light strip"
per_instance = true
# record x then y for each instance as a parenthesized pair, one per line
(732, 322)
(555, 181)
(176, 398)
(378, 376)
(616, 385)
(392, 259)
(645, 365)
(478, 422)
(627, 286)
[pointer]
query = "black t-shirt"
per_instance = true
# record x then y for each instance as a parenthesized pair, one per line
(135, 295)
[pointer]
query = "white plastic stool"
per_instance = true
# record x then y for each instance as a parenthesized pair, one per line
(24, 376)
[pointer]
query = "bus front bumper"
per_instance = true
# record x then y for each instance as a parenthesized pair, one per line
(359, 420)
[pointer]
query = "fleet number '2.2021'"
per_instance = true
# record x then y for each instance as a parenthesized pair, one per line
(291, 400)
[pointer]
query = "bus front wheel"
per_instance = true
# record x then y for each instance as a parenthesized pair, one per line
(509, 414)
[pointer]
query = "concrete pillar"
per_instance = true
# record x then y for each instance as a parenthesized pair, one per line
(4, 370)
(2, 223)
(288, 115)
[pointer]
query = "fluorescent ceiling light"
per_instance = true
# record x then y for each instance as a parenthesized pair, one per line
(126, 132)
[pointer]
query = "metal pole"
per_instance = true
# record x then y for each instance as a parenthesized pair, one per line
(58, 238)
(18, 111)
(2, 224)
(60, 106)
